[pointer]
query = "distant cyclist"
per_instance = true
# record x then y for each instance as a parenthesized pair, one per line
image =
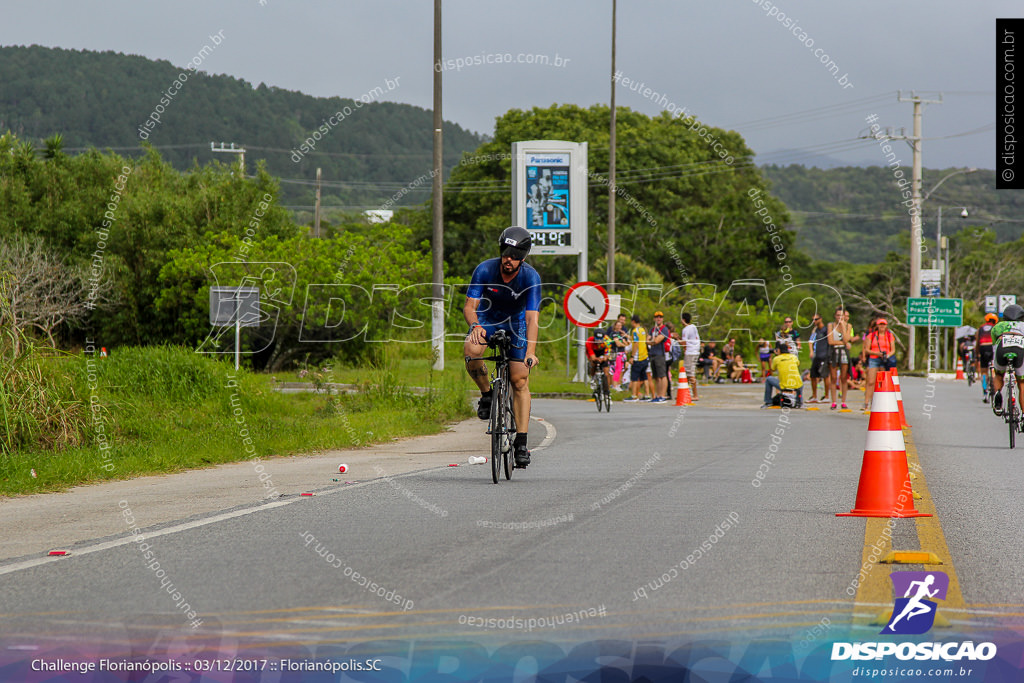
(983, 352)
(510, 289)
(599, 354)
(1008, 337)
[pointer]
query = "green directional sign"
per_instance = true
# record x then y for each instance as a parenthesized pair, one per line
(924, 311)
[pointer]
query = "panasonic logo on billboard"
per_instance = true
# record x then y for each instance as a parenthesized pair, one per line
(555, 159)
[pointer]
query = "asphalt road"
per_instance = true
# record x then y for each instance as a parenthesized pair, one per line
(648, 522)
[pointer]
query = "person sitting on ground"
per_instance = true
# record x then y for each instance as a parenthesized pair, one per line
(855, 381)
(709, 360)
(729, 350)
(785, 377)
(736, 367)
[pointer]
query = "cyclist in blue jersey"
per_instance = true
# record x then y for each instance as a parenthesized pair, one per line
(509, 290)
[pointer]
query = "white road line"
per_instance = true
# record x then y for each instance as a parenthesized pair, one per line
(550, 434)
(27, 564)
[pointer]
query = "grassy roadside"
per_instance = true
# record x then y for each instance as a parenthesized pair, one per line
(159, 409)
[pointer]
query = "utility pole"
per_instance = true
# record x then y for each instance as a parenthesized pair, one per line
(316, 210)
(240, 151)
(916, 230)
(437, 305)
(611, 172)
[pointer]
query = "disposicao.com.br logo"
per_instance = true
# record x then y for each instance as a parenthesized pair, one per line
(914, 614)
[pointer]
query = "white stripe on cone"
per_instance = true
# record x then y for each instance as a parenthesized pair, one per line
(884, 402)
(885, 441)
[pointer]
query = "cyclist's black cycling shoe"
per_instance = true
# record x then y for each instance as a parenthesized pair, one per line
(522, 456)
(483, 408)
(997, 403)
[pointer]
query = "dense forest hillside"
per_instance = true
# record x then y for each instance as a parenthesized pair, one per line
(854, 214)
(103, 99)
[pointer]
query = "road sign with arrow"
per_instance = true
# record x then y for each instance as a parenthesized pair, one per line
(586, 304)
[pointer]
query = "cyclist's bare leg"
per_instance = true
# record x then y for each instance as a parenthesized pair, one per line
(520, 376)
(474, 366)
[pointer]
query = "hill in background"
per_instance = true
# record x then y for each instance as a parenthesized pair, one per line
(854, 214)
(101, 99)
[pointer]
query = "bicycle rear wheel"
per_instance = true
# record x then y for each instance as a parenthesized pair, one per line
(497, 426)
(510, 434)
(1012, 409)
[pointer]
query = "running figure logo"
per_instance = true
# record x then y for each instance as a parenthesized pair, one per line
(914, 614)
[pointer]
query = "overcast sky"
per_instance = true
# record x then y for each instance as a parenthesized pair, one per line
(732, 62)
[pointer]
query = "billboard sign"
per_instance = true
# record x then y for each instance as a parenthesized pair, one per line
(549, 194)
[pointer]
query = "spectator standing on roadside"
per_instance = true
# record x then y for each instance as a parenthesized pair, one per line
(690, 339)
(819, 359)
(656, 339)
(764, 352)
(674, 355)
(638, 370)
(787, 338)
(880, 350)
(620, 347)
(839, 334)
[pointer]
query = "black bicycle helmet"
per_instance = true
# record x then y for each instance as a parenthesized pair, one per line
(1013, 312)
(515, 241)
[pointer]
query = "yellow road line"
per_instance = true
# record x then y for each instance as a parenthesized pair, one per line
(929, 532)
(876, 587)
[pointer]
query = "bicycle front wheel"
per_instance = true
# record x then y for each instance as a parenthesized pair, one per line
(497, 426)
(606, 394)
(510, 434)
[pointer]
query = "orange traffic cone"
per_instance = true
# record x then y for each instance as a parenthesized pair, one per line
(103, 352)
(884, 488)
(683, 389)
(960, 369)
(899, 397)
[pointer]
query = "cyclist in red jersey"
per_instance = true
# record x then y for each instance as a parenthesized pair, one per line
(983, 352)
(597, 351)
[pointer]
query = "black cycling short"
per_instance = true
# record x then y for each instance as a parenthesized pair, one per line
(985, 355)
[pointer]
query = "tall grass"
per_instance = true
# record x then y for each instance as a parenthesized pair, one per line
(37, 408)
(164, 409)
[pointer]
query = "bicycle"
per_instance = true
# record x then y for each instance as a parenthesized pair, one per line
(600, 389)
(990, 389)
(971, 376)
(502, 426)
(1011, 412)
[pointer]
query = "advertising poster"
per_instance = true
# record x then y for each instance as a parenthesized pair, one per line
(547, 199)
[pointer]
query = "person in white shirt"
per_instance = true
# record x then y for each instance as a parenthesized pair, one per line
(690, 340)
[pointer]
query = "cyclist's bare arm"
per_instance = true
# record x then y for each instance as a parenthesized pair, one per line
(478, 335)
(532, 332)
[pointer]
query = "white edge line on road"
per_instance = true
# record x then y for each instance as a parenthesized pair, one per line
(550, 434)
(106, 545)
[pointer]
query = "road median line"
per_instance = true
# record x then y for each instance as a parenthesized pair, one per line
(876, 588)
